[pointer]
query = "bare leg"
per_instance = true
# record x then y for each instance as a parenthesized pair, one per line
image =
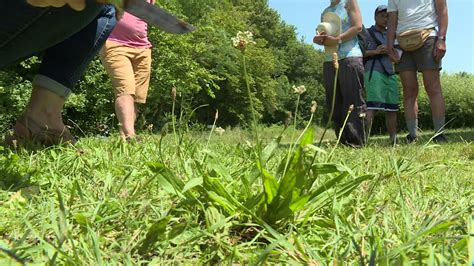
(45, 108)
(391, 124)
(42, 121)
(125, 110)
(410, 100)
(432, 84)
(370, 118)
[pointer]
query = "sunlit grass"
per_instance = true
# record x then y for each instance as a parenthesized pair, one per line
(116, 210)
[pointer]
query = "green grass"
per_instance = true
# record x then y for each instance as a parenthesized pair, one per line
(106, 202)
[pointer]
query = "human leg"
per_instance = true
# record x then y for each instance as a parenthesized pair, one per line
(61, 67)
(431, 80)
(410, 101)
(370, 114)
(391, 124)
(118, 62)
(126, 114)
(352, 83)
(142, 71)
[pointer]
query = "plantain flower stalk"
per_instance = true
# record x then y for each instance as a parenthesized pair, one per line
(349, 111)
(241, 41)
(173, 96)
(173, 93)
(335, 62)
(314, 105)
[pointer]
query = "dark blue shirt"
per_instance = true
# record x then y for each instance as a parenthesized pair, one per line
(385, 60)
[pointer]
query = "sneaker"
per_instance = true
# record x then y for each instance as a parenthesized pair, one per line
(440, 139)
(411, 139)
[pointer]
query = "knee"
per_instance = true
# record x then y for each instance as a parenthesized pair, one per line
(410, 93)
(433, 89)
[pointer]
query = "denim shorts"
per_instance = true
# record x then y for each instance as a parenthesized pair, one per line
(67, 39)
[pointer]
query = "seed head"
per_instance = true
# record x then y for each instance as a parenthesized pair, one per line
(299, 90)
(314, 105)
(351, 108)
(216, 116)
(219, 131)
(173, 93)
(164, 130)
(335, 60)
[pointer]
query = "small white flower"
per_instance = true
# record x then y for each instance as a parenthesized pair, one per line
(242, 39)
(299, 90)
(219, 131)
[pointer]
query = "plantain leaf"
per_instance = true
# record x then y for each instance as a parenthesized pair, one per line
(192, 183)
(270, 149)
(299, 204)
(270, 184)
(155, 233)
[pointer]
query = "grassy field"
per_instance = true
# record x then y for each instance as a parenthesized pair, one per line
(197, 198)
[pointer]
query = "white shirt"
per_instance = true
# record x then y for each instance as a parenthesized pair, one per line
(414, 14)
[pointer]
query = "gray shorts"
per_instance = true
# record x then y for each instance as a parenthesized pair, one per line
(419, 60)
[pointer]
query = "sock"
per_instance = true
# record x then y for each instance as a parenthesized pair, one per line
(412, 126)
(439, 123)
(393, 137)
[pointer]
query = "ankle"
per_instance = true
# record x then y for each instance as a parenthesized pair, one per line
(46, 118)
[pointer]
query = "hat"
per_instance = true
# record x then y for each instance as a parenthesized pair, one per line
(332, 26)
(381, 8)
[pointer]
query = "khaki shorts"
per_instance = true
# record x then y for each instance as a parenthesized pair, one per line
(419, 60)
(129, 69)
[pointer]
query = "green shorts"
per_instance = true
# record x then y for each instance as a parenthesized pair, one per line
(382, 92)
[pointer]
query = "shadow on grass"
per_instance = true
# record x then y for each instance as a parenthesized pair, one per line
(465, 135)
(454, 136)
(11, 180)
(14, 175)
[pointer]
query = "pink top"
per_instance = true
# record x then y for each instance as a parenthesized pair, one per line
(131, 31)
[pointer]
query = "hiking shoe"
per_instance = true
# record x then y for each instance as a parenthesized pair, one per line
(440, 139)
(411, 139)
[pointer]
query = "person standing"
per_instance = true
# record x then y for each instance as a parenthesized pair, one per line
(349, 89)
(420, 27)
(126, 57)
(381, 84)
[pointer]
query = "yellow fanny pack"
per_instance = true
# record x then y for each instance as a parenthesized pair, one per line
(412, 40)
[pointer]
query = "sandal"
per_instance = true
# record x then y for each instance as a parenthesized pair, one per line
(27, 131)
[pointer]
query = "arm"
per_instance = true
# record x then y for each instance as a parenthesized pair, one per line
(320, 36)
(391, 29)
(379, 51)
(356, 21)
(442, 12)
(356, 25)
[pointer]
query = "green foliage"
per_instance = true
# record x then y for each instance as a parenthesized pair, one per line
(203, 66)
(206, 70)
